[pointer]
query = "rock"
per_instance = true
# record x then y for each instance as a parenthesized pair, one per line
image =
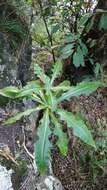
(49, 183)
(5, 178)
(15, 45)
(11, 68)
(34, 181)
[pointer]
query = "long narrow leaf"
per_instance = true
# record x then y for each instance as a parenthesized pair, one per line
(56, 71)
(37, 99)
(81, 89)
(20, 115)
(42, 76)
(10, 92)
(77, 124)
(51, 101)
(62, 141)
(63, 86)
(43, 145)
(31, 87)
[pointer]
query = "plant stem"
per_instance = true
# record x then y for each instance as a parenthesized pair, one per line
(47, 30)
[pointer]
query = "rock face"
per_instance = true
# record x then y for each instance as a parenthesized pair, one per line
(15, 43)
(8, 66)
(14, 68)
(5, 179)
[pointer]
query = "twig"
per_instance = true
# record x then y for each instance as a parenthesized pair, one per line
(24, 146)
(31, 157)
(6, 153)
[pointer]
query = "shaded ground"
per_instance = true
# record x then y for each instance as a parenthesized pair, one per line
(74, 176)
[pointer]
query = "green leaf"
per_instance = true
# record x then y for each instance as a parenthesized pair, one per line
(89, 24)
(42, 145)
(97, 69)
(77, 124)
(103, 22)
(78, 57)
(83, 19)
(42, 76)
(39, 72)
(62, 141)
(55, 28)
(51, 100)
(67, 51)
(30, 88)
(56, 70)
(84, 49)
(69, 38)
(20, 115)
(91, 61)
(35, 98)
(63, 86)
(10, 92)
(84, 88)
(93, 43)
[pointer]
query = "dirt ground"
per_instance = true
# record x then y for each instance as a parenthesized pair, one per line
(74, 173)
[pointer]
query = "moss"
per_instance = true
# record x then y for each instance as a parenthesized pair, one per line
(14, 27)
(14, 31)
(13, 22)
(20, 169)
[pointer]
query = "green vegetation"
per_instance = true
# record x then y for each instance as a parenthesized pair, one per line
(65, 27)
(49, 98)
(15, 21)
(69, 32)
(13, 26)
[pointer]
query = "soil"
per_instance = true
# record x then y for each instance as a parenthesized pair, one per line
(75, 176)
